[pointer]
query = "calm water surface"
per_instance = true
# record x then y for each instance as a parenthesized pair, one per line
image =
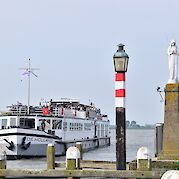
(135, 138)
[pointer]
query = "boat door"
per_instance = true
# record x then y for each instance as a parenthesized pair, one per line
(95, 131)
(57, 126)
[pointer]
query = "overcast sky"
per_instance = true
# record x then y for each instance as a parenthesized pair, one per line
(73, 42)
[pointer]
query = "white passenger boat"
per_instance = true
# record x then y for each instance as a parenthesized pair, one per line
(26, 131)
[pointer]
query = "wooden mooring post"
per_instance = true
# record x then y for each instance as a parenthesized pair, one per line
(50, 157)
(80, 148)
(2, 161)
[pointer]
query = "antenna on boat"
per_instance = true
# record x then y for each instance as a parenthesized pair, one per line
(28, 71)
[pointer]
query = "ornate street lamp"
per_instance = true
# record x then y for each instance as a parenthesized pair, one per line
(120, 64)
(120, 59)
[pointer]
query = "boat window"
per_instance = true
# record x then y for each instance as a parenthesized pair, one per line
(4, 123)
(106, 130)
(12, 122)
(102, 130)
(70, 126)
(65, 126)
(80, 126)
(45, 124)
(77, 128)
(87, 126)
(27, 122)
(98, 130)
(56, 124)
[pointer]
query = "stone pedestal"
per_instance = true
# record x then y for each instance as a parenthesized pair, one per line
(170, 149)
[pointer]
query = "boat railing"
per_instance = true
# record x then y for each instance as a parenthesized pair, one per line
(82, 112)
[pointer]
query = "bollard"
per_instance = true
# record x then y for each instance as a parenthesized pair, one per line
(80, 148)
(171, 174)
(50, 156)
(72, 158)
(143, 160)
(2, 161)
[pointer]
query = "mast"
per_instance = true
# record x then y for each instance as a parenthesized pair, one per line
(29, 71)
(28, 100)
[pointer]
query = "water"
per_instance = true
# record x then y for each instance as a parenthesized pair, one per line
(135, 138)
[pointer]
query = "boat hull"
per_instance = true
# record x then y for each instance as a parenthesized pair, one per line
(20, 143)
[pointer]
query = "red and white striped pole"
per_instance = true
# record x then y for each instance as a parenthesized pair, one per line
(120, 64)
(120, 91)
(120, 94)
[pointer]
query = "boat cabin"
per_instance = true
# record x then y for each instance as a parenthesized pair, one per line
(30, 122)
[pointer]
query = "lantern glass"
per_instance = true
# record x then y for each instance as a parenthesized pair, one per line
(121, 64)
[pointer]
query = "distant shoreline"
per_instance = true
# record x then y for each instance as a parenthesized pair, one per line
(142, 127)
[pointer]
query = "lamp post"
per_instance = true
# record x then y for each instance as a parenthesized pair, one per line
(120, 64)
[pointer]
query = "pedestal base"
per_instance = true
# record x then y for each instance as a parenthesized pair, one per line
(170, 149)
(169, 155)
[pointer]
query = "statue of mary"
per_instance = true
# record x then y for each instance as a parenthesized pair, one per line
(173, 62)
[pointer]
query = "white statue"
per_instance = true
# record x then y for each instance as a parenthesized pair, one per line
(173, 62)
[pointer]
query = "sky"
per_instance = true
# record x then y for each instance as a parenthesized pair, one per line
(72, 42)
